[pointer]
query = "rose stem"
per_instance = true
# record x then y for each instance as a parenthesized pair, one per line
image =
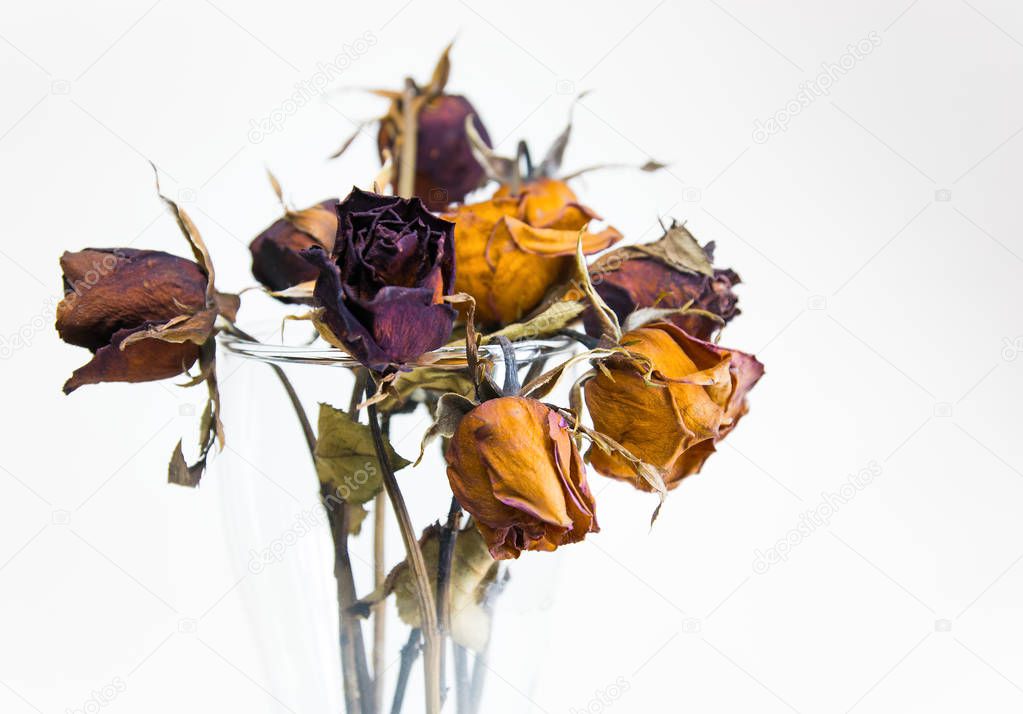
(349, 663)
(427, 605)
(379, 574)
(408, 657)
(446, 552)
(409, 140)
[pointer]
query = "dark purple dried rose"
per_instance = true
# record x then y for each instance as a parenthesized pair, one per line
(445, 167)
(382, 287)
(113, 298)
(669, 273)
(276, 259)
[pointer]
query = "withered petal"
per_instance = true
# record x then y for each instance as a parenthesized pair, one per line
(107, 290)
(143, 361)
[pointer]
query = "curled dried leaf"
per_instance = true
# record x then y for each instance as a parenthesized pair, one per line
(346, 459)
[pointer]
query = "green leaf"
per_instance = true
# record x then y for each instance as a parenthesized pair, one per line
(346, 459)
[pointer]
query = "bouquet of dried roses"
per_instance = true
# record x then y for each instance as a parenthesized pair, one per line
(435, 303)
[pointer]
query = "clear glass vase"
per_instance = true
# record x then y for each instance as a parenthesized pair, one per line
(277, 532)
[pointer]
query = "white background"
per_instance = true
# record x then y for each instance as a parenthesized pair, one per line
(879, 241)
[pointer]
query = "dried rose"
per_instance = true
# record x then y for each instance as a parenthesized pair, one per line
(673, 272)
(445, 167)
(668, 403)
(382, 286)
(513, 465)
(276, 259)
(512, 249)
(114, 297)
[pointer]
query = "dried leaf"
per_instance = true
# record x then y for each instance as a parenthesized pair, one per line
(473, 572)
(180, 473)
(301, 291)
(278, 191)
(606, 315)
(555, 317)
(546, 382)
(316, 221)
(677, 249)
(197, 328)
(346, 459)
(228, 305)
(645, 471)
(498, 168)
(648, 166)
(385, 177)
(451, 408)
(413, 385)
(348, 142)
(441, 71)
(195, 241)
(551, 163)
(356, 515)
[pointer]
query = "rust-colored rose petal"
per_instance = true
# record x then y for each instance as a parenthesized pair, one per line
(107, 290)
(513, 465)
(276, 252)
(142, 361)
(695, 395)
(511, 250)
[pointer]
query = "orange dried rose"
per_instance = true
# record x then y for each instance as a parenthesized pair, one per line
(695, 395)
(513, 465)
(512, 249)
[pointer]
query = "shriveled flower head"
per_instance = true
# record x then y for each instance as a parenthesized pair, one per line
(668, 403)
(382, 286)
(513, 465)
(115, 297)
(445, 167)
(512, 249)
(672, 272)
(277, 262)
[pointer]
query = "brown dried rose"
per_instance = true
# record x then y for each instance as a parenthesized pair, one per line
(148, 315)
(276, 259)
(382, 287)
(513, 465)
(445, 167)
(672, 272)
(512, 249)
(668, 403)
(114, 298)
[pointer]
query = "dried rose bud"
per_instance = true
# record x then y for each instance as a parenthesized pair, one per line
(512, 249)
(276, 259)
(513, 465)
(115, 295)
(695, 395)
(672, 272)
(382, 286)
(445, 167)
